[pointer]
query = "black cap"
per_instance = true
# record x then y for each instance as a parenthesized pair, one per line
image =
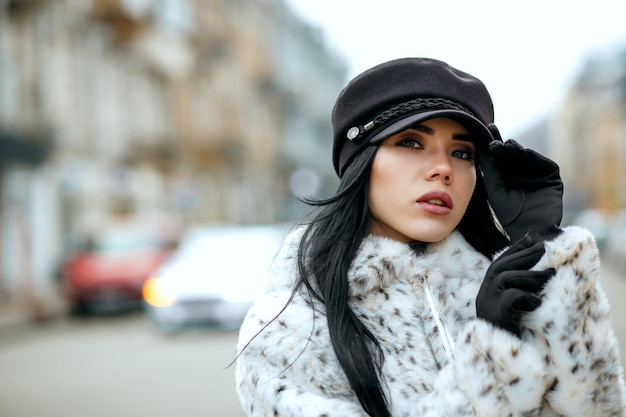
(392, 96)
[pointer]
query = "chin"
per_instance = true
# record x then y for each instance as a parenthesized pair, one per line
(431, 236)
(411, 229)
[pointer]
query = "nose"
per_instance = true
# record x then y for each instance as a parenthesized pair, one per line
(441, 169)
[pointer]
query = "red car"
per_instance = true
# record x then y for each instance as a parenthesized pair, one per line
(107, 273)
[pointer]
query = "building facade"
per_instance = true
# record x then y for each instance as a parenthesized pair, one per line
(197, 111)
(588, 134)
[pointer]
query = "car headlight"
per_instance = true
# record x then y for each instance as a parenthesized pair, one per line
(157, 293)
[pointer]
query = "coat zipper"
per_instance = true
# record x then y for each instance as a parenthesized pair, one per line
(443, 333)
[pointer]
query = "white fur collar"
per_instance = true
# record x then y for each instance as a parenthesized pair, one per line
(380, 261)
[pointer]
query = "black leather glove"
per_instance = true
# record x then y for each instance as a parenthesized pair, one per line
(524, 188)
(509, 288)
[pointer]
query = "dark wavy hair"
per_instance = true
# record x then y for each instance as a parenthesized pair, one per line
(331, 240)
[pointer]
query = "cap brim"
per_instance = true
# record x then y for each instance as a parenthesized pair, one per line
(478, 132)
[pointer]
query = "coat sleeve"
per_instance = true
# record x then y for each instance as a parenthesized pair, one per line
(572, 328)
(285, 366)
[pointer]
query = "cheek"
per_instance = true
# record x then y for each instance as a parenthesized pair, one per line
(384, 184)
(379, 187)
(467, 184)
(391, 174)
(382, 168)
(380, 175)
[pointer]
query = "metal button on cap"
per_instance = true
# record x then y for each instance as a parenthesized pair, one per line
(353, 133)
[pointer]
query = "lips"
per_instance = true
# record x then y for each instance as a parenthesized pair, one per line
(436, 202)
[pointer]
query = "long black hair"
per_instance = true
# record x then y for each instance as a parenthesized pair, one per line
(329, 245)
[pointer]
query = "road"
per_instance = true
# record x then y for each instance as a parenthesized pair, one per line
(117, 366)
(121, 366)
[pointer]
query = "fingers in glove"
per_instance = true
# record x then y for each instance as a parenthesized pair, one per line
(542, 165)
(510, 159)
(515, 300)
(519, 164)
(523, 255)
(531, 281)
(489, 168)
(527, 303)
(507, 202)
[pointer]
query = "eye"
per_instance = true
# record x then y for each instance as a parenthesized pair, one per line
(466, 154)
(409, 142)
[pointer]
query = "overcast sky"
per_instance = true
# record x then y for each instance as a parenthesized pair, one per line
(527, 53)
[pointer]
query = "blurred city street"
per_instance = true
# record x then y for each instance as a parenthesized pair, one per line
(135, 134)
(121, 365)
(116, 366)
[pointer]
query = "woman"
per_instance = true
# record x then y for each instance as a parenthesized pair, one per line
(400, 297)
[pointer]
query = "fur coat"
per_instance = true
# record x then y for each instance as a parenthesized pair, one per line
(440, 360)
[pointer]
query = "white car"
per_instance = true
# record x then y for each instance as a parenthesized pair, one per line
(213, 277)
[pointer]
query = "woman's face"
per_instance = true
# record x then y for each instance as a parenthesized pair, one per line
(422, 180)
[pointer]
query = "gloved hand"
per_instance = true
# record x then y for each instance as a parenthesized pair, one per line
(509, 288)
(524, 189)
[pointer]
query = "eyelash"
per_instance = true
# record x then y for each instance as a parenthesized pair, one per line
(468, 155)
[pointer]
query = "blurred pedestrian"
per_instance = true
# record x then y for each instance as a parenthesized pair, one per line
(404, 295)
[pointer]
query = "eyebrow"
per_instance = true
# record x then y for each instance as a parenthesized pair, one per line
(465, 137)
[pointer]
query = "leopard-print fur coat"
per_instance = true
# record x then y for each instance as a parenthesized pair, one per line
(567, 363)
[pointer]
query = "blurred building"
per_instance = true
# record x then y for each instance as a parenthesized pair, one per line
(588, 134)
(198, 111)
(311, 78)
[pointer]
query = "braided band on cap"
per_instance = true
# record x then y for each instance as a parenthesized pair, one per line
(404, 108)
